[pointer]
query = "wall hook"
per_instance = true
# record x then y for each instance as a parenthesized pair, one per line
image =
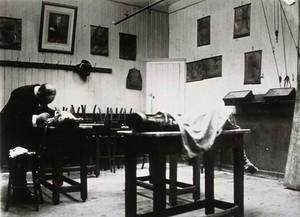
(29, 59)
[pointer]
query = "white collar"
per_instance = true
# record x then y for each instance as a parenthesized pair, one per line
(36, 89)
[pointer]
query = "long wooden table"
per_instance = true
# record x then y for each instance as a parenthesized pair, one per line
(160, 144)
(59, 142)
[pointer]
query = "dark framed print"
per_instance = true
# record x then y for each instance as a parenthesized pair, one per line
(127, 46)
(10, 33)
(99, 40)
(242, 21)
(57, 28)
(194, 71)
(203, 31)
(212, 67)
(204, 69)
(253, 67)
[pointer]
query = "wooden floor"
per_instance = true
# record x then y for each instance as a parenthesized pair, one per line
(264, 197)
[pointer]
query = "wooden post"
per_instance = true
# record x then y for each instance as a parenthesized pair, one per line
(292, 170)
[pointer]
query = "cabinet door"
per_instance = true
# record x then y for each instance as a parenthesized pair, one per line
(165, 86)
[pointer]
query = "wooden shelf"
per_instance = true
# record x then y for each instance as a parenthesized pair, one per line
(44, 65)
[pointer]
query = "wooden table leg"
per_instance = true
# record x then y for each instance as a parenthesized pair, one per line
(173, 180)
(56, 176)
(196, 178)
(209, 182)
(159, 183)
(130, 180)
(238, 167)
(83, 172)
(97, 154)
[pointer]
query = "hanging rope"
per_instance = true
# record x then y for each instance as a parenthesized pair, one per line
(287, 82)
(273, 49)
(283, 45)
(276, 20)
(286, 20)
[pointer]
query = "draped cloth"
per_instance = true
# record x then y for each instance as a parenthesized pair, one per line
(199, 130)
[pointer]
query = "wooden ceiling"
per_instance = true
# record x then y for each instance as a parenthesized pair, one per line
(162, 6)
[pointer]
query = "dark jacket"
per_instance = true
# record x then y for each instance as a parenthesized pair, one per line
(16, 117)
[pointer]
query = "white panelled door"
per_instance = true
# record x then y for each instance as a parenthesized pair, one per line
(165, 82)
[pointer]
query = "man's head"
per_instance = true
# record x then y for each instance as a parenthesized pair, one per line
(46, 93)
(59, 21)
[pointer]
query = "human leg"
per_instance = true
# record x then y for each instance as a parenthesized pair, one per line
(248, 166)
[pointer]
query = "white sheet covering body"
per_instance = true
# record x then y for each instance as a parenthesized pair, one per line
(199, 130)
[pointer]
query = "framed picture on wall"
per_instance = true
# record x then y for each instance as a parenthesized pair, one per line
(10, 33)
(242, 21)
(253, 67)
(204, 69)
(57, 28)
(99, 40)
(203, 31)
(127, 46)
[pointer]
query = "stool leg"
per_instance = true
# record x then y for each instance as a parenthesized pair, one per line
(144, 161)
(209, 182)
(35, 189)
(8, 193)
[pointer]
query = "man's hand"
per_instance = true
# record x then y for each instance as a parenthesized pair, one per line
(42, 118)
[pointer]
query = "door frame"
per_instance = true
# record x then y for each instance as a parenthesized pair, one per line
(182, 79)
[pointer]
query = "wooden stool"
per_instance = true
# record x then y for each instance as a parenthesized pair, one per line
(33, 167)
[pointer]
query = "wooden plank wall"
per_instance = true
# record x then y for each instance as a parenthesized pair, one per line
(292, 170)
(105, 90)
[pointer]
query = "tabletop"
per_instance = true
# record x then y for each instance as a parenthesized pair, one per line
(175, 133)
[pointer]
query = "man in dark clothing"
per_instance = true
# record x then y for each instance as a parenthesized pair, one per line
(58, 32)
(26, 109)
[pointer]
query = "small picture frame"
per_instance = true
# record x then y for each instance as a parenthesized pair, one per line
(10, 33)
(203, 31)
(99, 40)
(57, 28)
(127, 46)
(242, 21)
(253, 67)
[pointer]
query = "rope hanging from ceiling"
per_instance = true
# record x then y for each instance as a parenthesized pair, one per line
(271, 43)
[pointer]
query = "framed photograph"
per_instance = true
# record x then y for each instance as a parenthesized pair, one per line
(242, 21)
(99, 40)
(204, 69)
(10, 33)
(252, 67)
(57, 28)
(203, 31)
(127, 46)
